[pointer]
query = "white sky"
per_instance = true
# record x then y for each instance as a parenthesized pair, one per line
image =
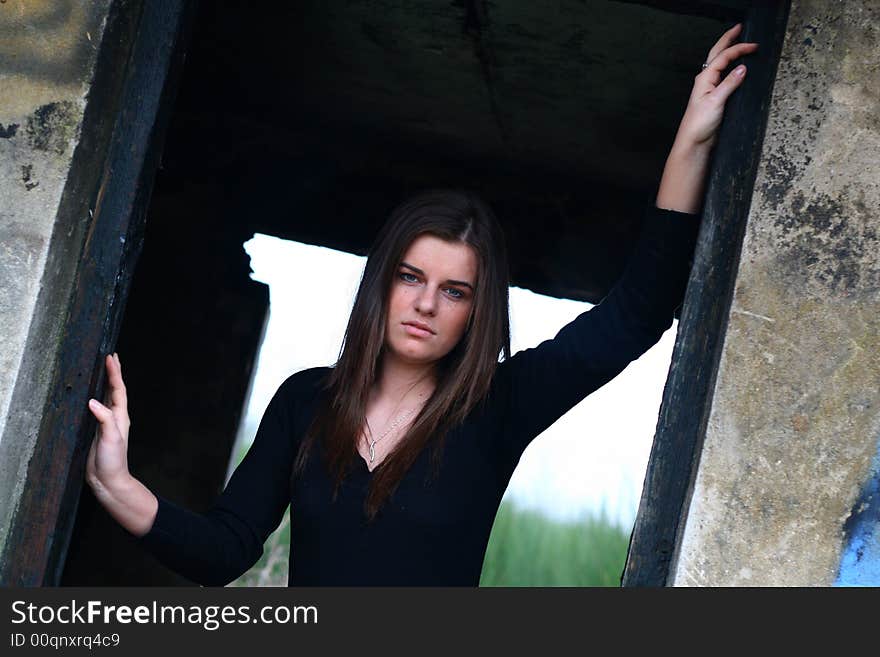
(592, 458)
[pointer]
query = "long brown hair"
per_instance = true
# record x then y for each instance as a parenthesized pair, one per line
(463, 375)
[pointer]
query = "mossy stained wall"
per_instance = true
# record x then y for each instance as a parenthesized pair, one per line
(785, 478)
(48, 53)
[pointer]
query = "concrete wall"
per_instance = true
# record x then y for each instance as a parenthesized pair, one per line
(47, 61)
(788, 488)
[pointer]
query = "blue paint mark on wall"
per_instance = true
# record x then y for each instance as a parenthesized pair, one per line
(860, 563)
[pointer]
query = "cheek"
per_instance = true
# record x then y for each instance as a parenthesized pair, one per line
(458, 320)
(397, 300)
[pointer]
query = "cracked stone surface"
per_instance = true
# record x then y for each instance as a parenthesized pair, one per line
(795, 418)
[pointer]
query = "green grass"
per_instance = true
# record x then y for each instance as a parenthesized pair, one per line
(528, 549)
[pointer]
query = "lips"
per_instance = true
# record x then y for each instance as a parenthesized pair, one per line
(418, 328)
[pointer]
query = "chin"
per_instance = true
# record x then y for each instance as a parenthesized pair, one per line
(415, 356)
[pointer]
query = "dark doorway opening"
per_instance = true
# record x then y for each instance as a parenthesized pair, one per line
(311, 120)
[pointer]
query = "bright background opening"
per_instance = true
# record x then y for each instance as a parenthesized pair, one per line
(591, 461)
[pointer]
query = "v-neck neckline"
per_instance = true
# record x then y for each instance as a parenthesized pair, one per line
(364, 465)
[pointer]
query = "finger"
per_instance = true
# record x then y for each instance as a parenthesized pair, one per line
(109, 387)
(90, 459)
(105, 416)
(123, 419)
(711, 75)
(726, 39)
(729, 84)
(722, 61)
(118, 393)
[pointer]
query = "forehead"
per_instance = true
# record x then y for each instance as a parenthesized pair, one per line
(442, 259)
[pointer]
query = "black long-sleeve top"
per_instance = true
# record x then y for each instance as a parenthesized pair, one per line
(427, 533)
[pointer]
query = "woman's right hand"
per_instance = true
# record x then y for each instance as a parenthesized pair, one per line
(107, 463)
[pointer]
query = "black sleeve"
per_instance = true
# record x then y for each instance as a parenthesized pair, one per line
(216, 547)
(537, 386)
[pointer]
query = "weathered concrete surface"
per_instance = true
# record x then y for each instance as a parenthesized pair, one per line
(553, 110)
(795, 417)
(47, 59)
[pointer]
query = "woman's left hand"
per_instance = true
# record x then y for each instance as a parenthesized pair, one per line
(699, 125)
(684, 176)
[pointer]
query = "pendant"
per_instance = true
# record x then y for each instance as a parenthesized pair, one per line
(372, 451)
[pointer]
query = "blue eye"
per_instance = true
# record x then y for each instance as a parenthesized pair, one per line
(455, 294)
(409, 278)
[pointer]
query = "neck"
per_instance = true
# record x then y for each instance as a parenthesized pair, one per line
(399, 379)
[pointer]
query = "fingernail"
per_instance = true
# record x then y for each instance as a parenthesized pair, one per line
(93, 403)
(740, 70)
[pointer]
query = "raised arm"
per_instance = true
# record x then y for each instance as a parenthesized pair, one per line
(539, 385)
(684, 176)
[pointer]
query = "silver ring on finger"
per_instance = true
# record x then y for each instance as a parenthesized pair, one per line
(705, 65)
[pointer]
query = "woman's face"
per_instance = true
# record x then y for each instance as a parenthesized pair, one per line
(430, 299)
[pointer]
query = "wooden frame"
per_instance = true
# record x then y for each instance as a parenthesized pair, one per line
(684, 411)
(103, 211)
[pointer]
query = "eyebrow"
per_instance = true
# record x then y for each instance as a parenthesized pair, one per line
(451, 281)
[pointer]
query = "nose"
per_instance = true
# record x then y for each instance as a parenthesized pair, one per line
(426, 302)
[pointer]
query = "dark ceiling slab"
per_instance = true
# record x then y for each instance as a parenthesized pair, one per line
(321, 115)
(587, 88)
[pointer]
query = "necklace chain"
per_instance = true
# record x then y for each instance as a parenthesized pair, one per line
(394, 425)
(372, 442)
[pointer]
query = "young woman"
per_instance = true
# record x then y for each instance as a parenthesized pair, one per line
(395, 460)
